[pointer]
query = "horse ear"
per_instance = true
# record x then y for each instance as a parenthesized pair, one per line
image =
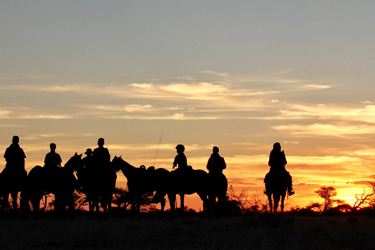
(75, 153)
(80, 155)
(120, 157)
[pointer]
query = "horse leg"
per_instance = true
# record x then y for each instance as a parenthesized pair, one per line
(96, 203)
(172, 200)
(25, 208)
(110, 198)
(14, 200)
(182, 198)
(270, 202)
(133, 207)
(159, 197)
(57, 205)
(276, 199)
(282, 203)
(71, 207)
(91, 208)
(207, 203)
(109, 203)
(162, 205)
(5, 202)
(35, 201)
(221, 199)
(106, 205)
(103, 202)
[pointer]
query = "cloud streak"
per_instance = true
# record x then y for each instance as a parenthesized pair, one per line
(325, 129)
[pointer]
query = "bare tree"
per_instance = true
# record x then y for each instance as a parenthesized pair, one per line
(327, 193)
(247, 202)
(80, 201)
(123, 199)
(365, 198)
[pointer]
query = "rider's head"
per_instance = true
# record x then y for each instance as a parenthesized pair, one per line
(101, 142)
(215, 150)
(277, 146)
(52, 146)
(15, 139)
(180, 148)
(88, 151)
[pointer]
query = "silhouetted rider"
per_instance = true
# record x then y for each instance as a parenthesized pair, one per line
(277, 162)
(101, 155)
(52, 159)
(15, 157)
(88, 160)
(216, 163)
(180, 160)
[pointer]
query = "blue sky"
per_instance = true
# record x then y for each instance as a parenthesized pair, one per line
(236, 74)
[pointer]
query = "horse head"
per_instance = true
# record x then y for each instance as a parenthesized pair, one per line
(75, 162)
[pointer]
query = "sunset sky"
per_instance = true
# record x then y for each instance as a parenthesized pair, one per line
(241, 75)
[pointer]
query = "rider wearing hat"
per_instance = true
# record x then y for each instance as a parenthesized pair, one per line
(180, 160)
(87, 161)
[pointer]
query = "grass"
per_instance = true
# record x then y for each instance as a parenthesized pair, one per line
(257, 231)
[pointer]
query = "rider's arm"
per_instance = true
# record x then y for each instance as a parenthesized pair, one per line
(284, 158)
(224, 164)
(175, 162)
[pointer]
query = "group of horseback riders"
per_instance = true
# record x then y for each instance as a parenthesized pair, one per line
(215, 164)
(99, 160)
(15, 157)
(99, 157)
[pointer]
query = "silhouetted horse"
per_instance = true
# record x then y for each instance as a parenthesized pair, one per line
(142, 181)
(218, 189)
(208, 187)
(195, 181)
(277, 186)
(98, 184)
(59, 181)
(11, 182)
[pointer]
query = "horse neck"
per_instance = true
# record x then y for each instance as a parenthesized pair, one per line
(126, 169)
(71, 166)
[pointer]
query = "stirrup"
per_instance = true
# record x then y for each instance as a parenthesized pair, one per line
(291, 192)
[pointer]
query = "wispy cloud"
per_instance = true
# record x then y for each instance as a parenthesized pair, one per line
(214, 73)
(325, 129)
(189, 99)
(33, 77)
(174, 116)
(131, 108)
(43, 116)
(4, 113)
(365, 113)
(317, 87)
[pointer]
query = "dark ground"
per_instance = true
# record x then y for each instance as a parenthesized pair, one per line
(257, 231)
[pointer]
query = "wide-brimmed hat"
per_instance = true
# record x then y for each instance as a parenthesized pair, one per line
(88, 151)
